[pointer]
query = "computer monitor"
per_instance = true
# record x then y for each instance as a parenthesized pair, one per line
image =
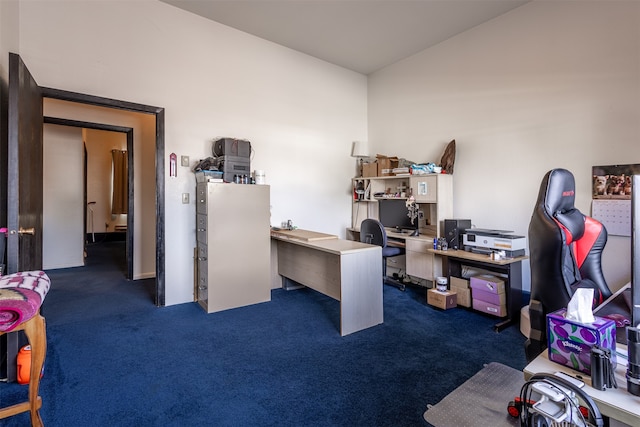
(393, 214)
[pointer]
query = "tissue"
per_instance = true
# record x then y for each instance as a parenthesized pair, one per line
(569, 342)
(572, 332)
(580, 307)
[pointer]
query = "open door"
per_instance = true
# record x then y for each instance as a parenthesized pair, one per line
(24, 170)
(24, 182)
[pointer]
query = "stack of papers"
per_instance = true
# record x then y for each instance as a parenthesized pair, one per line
(401, 171)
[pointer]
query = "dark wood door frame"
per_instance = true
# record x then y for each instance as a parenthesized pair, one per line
(130, 174)
(160, 199)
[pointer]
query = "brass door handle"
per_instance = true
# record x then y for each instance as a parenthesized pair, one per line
(31, 231)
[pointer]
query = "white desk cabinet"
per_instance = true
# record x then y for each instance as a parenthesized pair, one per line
(420, 262)
(233, 236)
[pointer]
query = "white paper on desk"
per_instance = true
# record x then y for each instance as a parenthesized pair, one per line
(580, 306)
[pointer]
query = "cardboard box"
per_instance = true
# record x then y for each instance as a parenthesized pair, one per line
(463, 297)
(569, 342)
(462, 290)
(443, 300)
(488, 283)
(369, 169)
(487, 307)
(459, 283)
(386, 165)
(490, 297)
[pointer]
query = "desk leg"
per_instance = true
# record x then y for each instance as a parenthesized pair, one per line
(514, 296)
(451, 267)
(361, 303)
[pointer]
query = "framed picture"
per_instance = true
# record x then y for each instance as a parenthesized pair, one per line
(614, 181)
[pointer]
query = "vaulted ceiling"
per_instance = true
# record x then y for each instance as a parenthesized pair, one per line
(361, 35)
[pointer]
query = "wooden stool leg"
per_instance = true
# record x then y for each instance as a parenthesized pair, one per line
(35, 330)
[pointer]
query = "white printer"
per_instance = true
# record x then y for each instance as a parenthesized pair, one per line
(486, 241)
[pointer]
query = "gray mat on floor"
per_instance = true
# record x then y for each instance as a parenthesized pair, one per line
(481, 401)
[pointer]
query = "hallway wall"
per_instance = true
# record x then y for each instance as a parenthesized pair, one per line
(63, 204)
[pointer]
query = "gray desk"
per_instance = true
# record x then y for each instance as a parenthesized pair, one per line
(615, 403)
(347, 271)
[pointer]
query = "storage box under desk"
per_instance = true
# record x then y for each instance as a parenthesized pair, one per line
(490, 297)
(462, 290)
(488, 283)
(443, 300)
(487, 307)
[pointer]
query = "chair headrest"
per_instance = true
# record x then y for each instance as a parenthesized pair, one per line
(559, 189)
(558, 192)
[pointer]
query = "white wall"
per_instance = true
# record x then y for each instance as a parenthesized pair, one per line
(8, 43)
(8, 34)
(300, 113)
(549, 84)
(63, 198)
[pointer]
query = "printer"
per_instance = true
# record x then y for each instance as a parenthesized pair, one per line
(232, 157)
(486, 241)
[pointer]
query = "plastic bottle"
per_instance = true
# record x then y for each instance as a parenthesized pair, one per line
(24, 365)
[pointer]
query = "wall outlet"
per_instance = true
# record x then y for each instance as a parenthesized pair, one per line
(185, 198)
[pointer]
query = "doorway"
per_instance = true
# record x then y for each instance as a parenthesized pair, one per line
(158, 114)
(89, 205)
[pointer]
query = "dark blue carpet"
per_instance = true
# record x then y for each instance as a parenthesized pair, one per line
(116, 359)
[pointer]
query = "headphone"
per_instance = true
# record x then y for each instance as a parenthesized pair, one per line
(529, 419)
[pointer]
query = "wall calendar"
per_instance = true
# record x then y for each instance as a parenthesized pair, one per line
(615, 215)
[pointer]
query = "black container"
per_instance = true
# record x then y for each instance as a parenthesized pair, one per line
(633, 368)
(453, 231)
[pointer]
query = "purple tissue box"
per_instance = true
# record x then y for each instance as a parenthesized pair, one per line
(569, 342)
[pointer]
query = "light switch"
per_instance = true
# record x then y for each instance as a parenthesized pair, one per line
(184, 161)
(185, 198)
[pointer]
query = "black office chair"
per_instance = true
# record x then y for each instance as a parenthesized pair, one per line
(565, 250)
(372, 232)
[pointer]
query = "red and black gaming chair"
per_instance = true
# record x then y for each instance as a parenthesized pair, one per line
(565, 252)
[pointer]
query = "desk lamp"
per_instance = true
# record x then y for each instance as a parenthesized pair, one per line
(360, 150)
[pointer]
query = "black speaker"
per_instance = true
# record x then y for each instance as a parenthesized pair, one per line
(453, 231)
(231, 147)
